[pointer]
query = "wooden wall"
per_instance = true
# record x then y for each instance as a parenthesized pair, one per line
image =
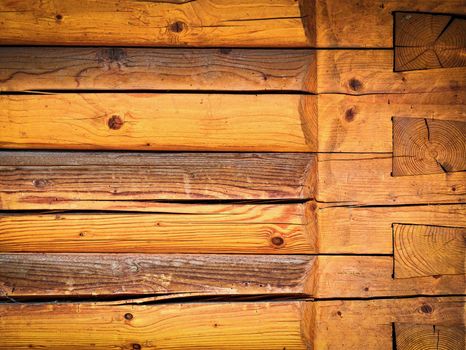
(210, 174)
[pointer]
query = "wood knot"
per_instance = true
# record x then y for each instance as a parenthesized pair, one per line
(128, 316)
(278, 241)
(40, 183)
(115, 122)
(225, 51)
(426, 309)
(58, 17)
(355, 84)
(350, 114)
(177, 27)
(136, 347)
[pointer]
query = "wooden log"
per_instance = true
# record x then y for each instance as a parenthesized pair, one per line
(411, 336)
(373, 276)
(368, 23)
(213, 122)
(427, 41)
(422, 250)
(226, 326)
(368, 230)
(358, 72)
(55, 68)
(35, 180)
(364, 123)
(368, 324)
(100, 275)
(285, 23)
(422, 146)
(251, 325)
(246, 229)
(364, 179)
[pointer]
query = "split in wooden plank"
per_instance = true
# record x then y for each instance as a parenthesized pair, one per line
(245, 229)
(49, 68)
(368, 230)
(241, 325)
(209, 122)
(101, 275)
(43, 275)
(422, 146)
(364, 179)
(410, 336)
(37, 180)
(422, 250)
(367, 324)
(285, 23)
(358, 72)
(364, 123)
(427, 41)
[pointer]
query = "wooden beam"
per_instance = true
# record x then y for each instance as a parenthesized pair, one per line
(422, 146)
(286, 23)
(427, 41)
(364, 179)
(212, 122)
(364, 123)
(422, 336)
(422, 250)
(155, 69)
(246, 229)
(43, 275)
(37, 180)
(368, 230)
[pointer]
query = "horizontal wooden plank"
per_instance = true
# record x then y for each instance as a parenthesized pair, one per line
(49, 275)
(368, 23)
(158, 23)
(48, 68)
(212, 122)
(359, 72)
(422, 250)
(368, 230)
(367, 324)
(253, 325)
(364, 179)
(373, 276)
(145, 176)
(364, 123)
(173, 326)
(126, 274)
(422, 146)
(420, 336)
(428, 41)
(247, 229)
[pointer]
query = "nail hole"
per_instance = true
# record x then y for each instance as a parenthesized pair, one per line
(128, 316)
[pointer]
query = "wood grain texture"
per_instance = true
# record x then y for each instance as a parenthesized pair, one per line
(49, 68)
(367, 324)
(368, 230)
(246, 229)
(372, 276)
(126, 274)
(226, 326)
(45, 178)
(364, 123)
(364, 179)
(285, 23)
(368, 23)
(422, 250)
(421, 336)
(427, 41)
(422, 146)
(358, 72)
(212, 122)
